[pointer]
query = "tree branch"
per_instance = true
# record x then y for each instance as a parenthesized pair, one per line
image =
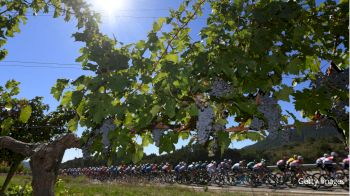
(25, 149)
(66, 141)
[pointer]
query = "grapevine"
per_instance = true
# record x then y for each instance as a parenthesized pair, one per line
(157, 134)
(204, 124)
(106, 127)
(256, 124)
(220, 88)
(270, 109)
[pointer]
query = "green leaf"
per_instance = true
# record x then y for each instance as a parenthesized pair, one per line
(224, 140)
(248, 122)
(6, 126)
(58, 88)
(138, 154)
(145, 88)
(25, 113)
(158, 25)
(284, 93)
(12, 86)
(128, 120)
(73, 124)
(159, 77)
(146, 139)
(184, 135)
(193, 110)
(8, 106)
(172, 57)
(294, 66)
(76, 98)
(312, 63)
(222, 121)
(170, 107)
(67, 97)
(165, 144)
(238, 136)
(155, 109)
(140, 45)
(254, 136)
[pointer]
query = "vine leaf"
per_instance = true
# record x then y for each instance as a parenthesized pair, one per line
(25, 114)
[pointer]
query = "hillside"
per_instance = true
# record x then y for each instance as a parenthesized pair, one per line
(296, 136)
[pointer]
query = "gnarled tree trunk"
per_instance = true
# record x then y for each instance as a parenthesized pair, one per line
(45, 160)
(10, 174)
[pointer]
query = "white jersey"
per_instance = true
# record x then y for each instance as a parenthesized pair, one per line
(320, 160)
(328, 161)
(236, 166)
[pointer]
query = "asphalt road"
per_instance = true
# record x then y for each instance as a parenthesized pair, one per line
(270, 191)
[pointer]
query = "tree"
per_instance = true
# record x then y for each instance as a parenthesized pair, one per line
(172, 86)
(18, 135)
(27, 121)
(45, 159)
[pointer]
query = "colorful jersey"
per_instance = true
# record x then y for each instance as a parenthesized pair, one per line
(258, 165)
(290, 160)
(328, 161)
(281, 163)
(250, 165)
(320, 160)
(211, 168)
(295, 163)
(236, 166)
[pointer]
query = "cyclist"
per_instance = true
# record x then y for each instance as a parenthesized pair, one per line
(198, 165)
(259, 166)
(221, 166)
(166, 168)
(291, 159)
(251, 164)
(204, 165)
(281, 164)
(227, 165)
(237, 167)
(346, 163)
(177, 167)
(191, 166)
(319, 161)
(183, 167)
(295, 165)
(211, 168)
(328, 163)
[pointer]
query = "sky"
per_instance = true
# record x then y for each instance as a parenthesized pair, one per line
(45, 40)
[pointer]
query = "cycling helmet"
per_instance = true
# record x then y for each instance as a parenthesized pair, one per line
(325, 155)
(300, 158)
(334, 154)
(295, 156)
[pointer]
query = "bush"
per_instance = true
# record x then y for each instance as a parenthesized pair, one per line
(60, 188)
(15, 190)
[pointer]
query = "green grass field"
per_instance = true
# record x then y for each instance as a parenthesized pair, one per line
(82, 186)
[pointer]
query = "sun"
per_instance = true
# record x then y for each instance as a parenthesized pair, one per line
(108, 7)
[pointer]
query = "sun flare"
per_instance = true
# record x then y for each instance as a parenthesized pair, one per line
(108, 7)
